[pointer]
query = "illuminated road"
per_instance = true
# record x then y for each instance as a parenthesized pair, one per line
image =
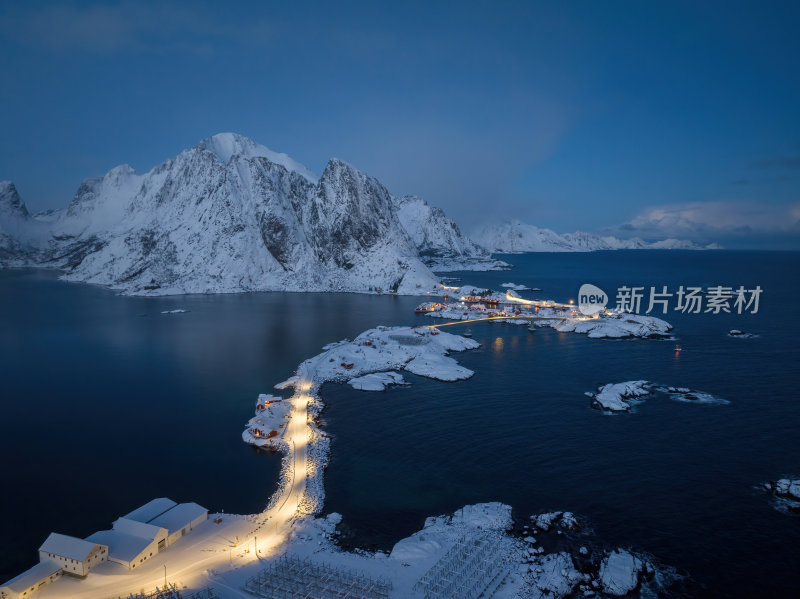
(216, 547)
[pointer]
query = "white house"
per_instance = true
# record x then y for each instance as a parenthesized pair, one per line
(131, 543)
(30, 581)
(181, 519)
(75, 556)
(151, 509)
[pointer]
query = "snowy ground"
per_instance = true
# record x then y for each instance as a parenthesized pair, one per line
(552, 557)
(615, 326)
(377, 381)
(737, 334)
(621, 397)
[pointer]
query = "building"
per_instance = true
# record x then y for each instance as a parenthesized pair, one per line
(75, 556)
(151, 509)
(131, 543)
(132, 540)
(155, 533)
(177, 518)
(181, 519)
(30, 581)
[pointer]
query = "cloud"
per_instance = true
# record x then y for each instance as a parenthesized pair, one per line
(722, 216)
(127, 26)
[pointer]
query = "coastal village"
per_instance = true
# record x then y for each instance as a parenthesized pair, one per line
(477, 303)
(133, 551)
(470, 303)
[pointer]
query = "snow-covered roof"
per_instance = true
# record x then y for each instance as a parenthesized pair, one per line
(32, 576)
(137, 529)
(151, 509)
(179, 516)
(66, 546)
(122, 546)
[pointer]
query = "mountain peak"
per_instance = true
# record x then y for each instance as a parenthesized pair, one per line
(11, 205)
(337, 164)
(121, 170)
(227, 145)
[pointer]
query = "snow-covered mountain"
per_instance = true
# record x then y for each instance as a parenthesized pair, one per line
(227, 215)
(439, 241)
(20, 234)
(514, 236)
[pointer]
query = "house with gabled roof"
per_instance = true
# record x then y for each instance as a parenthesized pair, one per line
(75, 556)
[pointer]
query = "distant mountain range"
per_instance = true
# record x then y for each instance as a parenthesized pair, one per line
(514, 236)
(231, 215)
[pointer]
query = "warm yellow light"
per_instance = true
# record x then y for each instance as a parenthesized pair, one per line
(518, 300)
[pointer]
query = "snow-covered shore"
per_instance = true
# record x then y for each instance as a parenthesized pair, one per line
(737, 334)
(377, 381)
(552, 556)
(786, 492)
(621, 397)
(614, 326)
(519, 566)
(515, 287)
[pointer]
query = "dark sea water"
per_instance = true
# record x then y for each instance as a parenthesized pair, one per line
(672, 479)
(106, 403)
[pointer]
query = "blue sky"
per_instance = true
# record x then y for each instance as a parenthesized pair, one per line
(638, 118)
